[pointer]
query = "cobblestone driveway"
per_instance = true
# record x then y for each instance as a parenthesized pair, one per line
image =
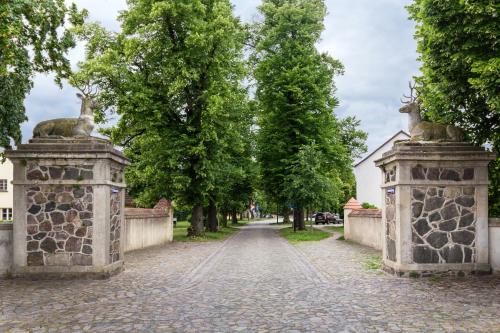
(254, 282)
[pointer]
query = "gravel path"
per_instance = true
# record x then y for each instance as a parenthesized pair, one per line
(253, 282)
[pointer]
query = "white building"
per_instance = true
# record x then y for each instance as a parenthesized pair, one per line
(6, 195)
(368, 176)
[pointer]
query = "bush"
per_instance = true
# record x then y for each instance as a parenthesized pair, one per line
(367, 205)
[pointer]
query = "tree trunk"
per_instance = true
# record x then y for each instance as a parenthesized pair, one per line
(234, 217)
(300, 219)
(286, 215)
(224, 219)
(213, 224)
(295, 220)
(196, 229)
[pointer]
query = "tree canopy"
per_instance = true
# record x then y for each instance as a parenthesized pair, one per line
(31, 41)
(460, 81)
(300, 141)
(174, 75)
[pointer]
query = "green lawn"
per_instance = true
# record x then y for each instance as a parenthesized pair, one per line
(180, 233)
(310, 234)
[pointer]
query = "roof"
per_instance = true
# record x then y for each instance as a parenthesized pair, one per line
(352, 204)
(372, 212)
(386, 142)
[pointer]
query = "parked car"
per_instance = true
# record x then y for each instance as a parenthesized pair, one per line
(324, 218)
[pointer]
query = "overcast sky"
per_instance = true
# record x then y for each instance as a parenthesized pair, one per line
(373, 39)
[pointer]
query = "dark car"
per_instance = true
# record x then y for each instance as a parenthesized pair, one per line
(324, 218)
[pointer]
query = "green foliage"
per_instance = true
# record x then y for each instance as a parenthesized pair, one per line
(174, 76)
(305, 153)
(460, 82)
(366, 205)
(308, 235)
(33, 39)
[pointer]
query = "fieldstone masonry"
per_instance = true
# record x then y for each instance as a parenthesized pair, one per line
(436, 215)
(68, 206)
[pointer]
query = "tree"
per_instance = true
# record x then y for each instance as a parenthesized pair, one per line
(174, 76)
(31, 41)
(460, 55)
(295, 92)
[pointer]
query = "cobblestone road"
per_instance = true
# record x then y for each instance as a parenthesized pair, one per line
(253, 282)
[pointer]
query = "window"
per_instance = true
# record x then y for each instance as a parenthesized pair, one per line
(6, 214)
(3, 185)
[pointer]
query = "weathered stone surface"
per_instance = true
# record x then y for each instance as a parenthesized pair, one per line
(40, 235)
(422, 227)
(465, 201)
(463, 237)
(435, 217)
(87, 249)
(69, 228)
(57, 217)
(78, 259)
(64, 197)
(48, 245)
(416, 209)
(78, 193)
(449, 225)
(32, 246)
(417, 173)
(452, 254)
(34, 175)
(64, 207)
(50, 206)
(469, 190)
(433, 174)
(81, 232)
(468, 174)
(449, 174)
(73, 244)
(468, 256)
(433, 203)
(71, 215)
(58, 259)
(437, 239)
(431, 191)
(39, 198)
(86, 174)
(449, 212)
(466, 220)
(55, 172)
(32, 229)
(35, 259)
(425, 255)
(70, 173)
(34, 209)
(45, 226)
(418, 194)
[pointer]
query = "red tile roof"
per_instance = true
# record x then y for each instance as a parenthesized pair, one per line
(352, 204)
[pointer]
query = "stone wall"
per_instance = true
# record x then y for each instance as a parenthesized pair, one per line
(6, 248)
(443, 221)
(365, 227)
(494, 242)
(59, 221)
(147, 227)
(115, 224)
(390, 227)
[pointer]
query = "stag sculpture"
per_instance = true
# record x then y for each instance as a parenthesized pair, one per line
(70, 127)
(424, 130)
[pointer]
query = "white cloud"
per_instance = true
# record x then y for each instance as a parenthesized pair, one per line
(373, 39)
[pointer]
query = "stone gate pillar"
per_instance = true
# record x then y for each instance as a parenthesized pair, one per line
(68, 208)
(435, 216)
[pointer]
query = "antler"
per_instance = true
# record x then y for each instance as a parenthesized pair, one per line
(412, 98)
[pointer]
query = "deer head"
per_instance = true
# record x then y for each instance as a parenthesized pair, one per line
(411, 106)
(88, 104)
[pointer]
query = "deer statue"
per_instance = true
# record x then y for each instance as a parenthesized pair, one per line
(424, 130)
(71, 127)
